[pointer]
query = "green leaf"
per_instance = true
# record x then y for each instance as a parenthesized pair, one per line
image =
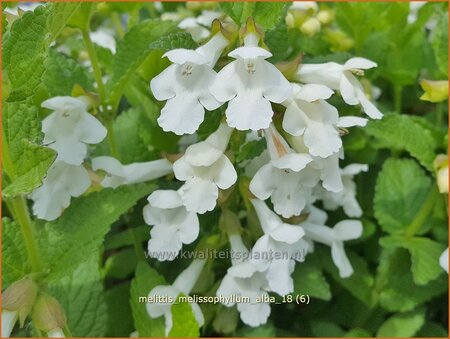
(25, 162)
(425, 255)
(61, 13)
(145, 280)
(80, 230)
(440, 43)
(15, 263)
(323, 329)
(173, 41)
(360, 284)
(133, 49)
(396, 294)
(401, 189)
(62, 73)
(251, 150)
(184, 323)
(126, 238)
(81, 295)
(266, 14)
(278, 42)
(121, 264)
(120, 319)
(309, 279)
(82, 17)
(402, 132)
(23, 53)
(402, 325)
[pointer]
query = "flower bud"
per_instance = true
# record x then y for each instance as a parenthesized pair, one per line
(19, 297)
(48, 315)
(435, 91)
(325, 16)
(310, 27)
(441, 168)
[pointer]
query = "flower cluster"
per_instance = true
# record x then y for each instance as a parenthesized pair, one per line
(299, 168)
(68, 130)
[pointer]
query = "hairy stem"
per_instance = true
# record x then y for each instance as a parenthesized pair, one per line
(28, 233)
(112, 139)
(95, 65)
(398, 90)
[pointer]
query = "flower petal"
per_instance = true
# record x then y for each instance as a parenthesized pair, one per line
(287, 233)
(164, 243)
(347, 88)
(162, 85)
(279, 276)
(89, 129)
(263, 183)
(254, 314)
(350, 121)
(312, 92)
(340, 259)
(250, 52)
(165, 199)
(359, 63)
(182, 55)
(189, 228)
(348, 229)
(276, 88)
(249, 111)
(199, 195)
(293, 161)
(225, 174)
(202, 154)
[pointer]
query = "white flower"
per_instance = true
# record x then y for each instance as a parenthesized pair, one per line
(56, 333)
(173, 224)
(185, 85)
(205, 169)
(243, 280)
(340, 77)
(104, 38)
(443, 260)
(335, 237)
(118, 174)
(309, 115)
(441, 168)
(284, 179)
(329, 172)
(347, 197)
(249, 84)
(196, 26)
(9, 319)
(275, 251)
(62, 182)
(182, 284)
(70, 128)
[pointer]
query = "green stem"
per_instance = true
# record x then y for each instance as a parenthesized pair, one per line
(95, 65)
(117, 24)
(137, 246)
(423, 213)
(439, 114)
(112, 139)
(26, 227)
(398, 98)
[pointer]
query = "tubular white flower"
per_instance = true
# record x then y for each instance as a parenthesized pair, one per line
(249, 84)
(9, 319)
(205, 169)
(335, 237)
(118, 174)
(340, 77)
(284, 179)
(185, 85)
(310, 116)
(70, 128)
(173, 224)
(275, 251)
(182, 284)
(443, 260)
(62, 182)
(243, 280)
(347, 197)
